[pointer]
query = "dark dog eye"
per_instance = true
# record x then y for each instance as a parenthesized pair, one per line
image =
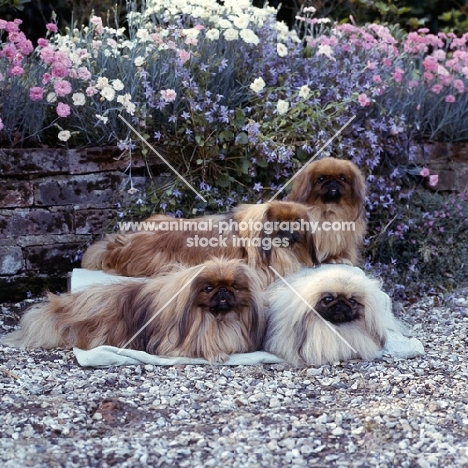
(321, 178)
(353, 302)
(343, 178)
(208, 289)
(327, 300)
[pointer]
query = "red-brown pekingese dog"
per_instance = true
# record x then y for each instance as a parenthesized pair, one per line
(220, 312)
(275, 233)
(334, 192)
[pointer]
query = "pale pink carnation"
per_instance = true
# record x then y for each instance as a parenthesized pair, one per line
(424, 172)
(413, 84)
(433, 180)
(25, 46)
(62, 88)
(184, 55)
(437, 88)
(52, 27)
(91, 91)
(377, 79)
(169, 95)
(47, 55)
(36, 93)
(84, 74)
(459, 86)
(1, 124)
(63, 110)
(46, 78)
(364, 100)
(60, 71)
(42, 42)
(17, 70)
(450, 98)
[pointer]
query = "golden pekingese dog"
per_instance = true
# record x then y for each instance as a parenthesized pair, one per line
(350, 317)
(334, 192)
(275, 233)
(219, 311)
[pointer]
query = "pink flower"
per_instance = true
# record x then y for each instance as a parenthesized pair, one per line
(376, 79)
(47, 55)
(52, 27)
(364, 100)
(42, 42)
(184, 55)
(63, 110)
(437, 88)
(60, 71)
(17, 70)
(1, 124)
(398, 74)
(424, 172)
(371, 65)
(450, 98)
(84, 74)
(387, 62)
(91, 91)
(413, 83)
(36, 93)
(62, 88)
(433, 180)
(168, 95)
(430, 64)
(46, 78)
(459, 86)
(25, 46)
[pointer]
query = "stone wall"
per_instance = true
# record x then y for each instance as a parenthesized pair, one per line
(449, 161)
(52, 204)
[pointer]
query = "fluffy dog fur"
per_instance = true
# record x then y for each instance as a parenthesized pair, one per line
(346, 302)
(334, 190)
(220, 313)
(148, 253)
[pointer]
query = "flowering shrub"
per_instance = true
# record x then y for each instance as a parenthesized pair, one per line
(240, 102)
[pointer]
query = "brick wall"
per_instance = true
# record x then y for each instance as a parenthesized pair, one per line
(52, 203)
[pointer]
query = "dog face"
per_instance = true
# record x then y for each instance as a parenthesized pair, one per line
(339, 308)
(329, 181)
(349, 317)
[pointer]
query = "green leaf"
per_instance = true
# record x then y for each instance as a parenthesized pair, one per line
(224, 181)
(242, 138)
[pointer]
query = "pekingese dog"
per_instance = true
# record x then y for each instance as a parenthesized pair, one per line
(350, 317)
(334, 192)
(275, 233)
(219, 310)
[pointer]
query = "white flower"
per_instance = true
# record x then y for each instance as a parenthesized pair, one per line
(231, 34)
(282, 106)
(139, 61)
(168, 95)
(304, 92)
(64, 135)
(102, 82)
(108, 93)
(241, 21)
(257, 85)
(51, 97)
(224, 23)
(249, 36)
(117, 85)
(212, 34)
(143, 35)
(281, 49)
(79, 99)
(191, 33)
(325, 50)
(125, 100)
(102, 118)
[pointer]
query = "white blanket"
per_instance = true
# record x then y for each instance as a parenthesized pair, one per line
(397, 344)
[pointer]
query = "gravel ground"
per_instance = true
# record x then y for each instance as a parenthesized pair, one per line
(405, 413)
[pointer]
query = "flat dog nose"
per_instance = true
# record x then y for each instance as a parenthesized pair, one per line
(222, 290)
